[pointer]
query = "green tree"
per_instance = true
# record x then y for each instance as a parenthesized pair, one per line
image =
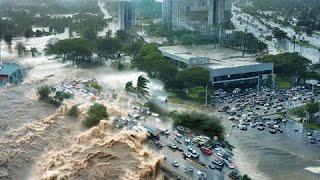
(89, 34)
(200, 122)
(20, 48)
(78, 50)
(28, 33)
(95, 113)
(289, 65)
(279, 34)
(188, 39)
(107, 47)
(34, 51)
(8, 38)
(129, 87)
(122, 35)
(38, 33)
(193, 77)
(312, 107)
(44, 91)
(74, 111)
(142, 84)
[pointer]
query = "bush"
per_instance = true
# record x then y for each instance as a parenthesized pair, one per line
(44, 91)
(154, 107)
(54, 102)
(94, 85)
(74, 111)
(96, 113)
(209, 125)
(300, 112)
(60, 96)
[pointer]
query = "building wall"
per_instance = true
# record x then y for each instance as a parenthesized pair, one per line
(12, 73)
(242, 76)
(176, 14)
(126, 13)
(167, 13)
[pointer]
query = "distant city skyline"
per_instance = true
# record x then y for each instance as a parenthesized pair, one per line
(192, 14)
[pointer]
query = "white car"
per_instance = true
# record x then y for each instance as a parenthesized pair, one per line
(187, 140)
(219, 154)
(201, 175)
(178, 135)
(175, 164)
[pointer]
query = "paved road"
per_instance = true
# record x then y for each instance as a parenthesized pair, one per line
(175, 155)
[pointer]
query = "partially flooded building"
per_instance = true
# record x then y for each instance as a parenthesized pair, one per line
(11, 73)
(228, 68)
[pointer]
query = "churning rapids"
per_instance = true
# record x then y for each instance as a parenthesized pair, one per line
(38, 141)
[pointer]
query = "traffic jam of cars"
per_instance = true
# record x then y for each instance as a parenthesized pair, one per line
(262, 110)
(198, 156)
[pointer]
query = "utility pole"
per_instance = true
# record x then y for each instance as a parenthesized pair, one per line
(207, 95)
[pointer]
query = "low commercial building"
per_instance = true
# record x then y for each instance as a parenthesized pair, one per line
(11, 73)
(228, 68)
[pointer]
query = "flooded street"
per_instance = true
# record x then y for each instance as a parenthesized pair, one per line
(38, 140)
(252, 25)
(275, 156)
(35, 135)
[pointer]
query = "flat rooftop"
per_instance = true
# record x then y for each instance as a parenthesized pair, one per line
(8, 68)
(220, 57)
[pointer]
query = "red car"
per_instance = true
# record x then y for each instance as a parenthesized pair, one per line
(206, 151)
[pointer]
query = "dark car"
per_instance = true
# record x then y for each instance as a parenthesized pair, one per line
(179, 149)
(212, 166)
(233, 175)
(202, 163)
(219, 168)
(158, 144)
(178, 140)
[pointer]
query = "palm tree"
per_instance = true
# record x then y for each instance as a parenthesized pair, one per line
(142, 88)
(129, 87)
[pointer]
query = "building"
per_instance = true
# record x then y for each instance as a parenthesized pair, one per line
(216, 10)
(193, 14)
(11, 73)
(167, 13)
(228, 69)
(126, 15)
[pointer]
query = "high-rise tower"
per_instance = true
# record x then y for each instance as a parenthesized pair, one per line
(126, 13)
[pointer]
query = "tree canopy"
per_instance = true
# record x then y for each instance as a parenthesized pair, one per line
(193, 77)
(151, 60)
(200, 122)
(290, 65)
(78, 50)
(95, 113)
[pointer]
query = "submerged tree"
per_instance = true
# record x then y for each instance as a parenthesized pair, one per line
(129, 87)
(34, 51)
(142, 88)
(20, 48)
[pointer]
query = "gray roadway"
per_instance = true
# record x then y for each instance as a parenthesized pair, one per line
(175, 155)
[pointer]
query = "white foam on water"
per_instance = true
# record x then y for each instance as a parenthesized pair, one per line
(315, 170)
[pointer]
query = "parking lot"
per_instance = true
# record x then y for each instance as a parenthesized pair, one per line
(264, 110)
(188, 155)
(192, 159)
(193, 156)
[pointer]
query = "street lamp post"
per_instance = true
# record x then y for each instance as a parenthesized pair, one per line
(207, 95)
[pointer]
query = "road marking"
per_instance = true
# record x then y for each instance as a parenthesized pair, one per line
(196, 164)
